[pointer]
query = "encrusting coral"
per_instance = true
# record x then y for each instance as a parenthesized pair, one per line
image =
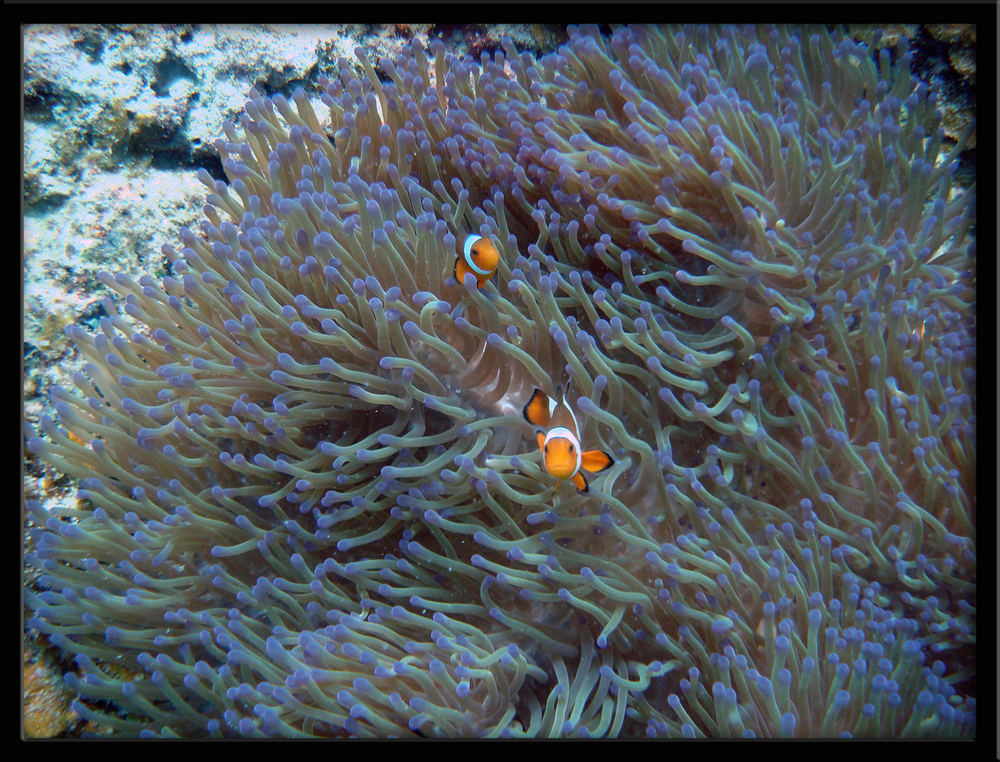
(314, 508)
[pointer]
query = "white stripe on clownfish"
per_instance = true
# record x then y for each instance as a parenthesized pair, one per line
(562, 432)
(470, 240)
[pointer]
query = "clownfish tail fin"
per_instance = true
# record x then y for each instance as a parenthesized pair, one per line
(596, 460)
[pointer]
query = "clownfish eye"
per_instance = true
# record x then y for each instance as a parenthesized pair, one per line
(571, 448)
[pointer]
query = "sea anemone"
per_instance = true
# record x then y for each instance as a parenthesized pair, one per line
(312, 507)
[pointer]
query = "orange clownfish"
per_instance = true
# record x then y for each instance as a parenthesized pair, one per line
(560, 443)
(479, 257)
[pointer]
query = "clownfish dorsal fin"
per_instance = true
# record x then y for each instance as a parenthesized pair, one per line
(561, 393)
(561, 412)
(564, 399)
(538, 410)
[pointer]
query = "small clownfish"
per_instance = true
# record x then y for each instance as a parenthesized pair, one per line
(479, 257)
(560, 444)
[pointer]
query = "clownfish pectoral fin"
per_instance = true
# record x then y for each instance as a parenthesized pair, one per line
(541, 441)
(595, 460)
(536, 412)
(579, 482)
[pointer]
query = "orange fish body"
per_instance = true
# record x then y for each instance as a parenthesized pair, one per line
(560, 442)
(480, 257)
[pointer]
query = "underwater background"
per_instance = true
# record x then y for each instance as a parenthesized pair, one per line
(277, 477)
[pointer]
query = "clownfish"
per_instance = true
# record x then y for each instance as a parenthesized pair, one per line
(560, 443)
(479, 257)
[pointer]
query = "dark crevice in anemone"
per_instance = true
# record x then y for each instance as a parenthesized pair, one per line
(92, 314)
(278, 82)
(601, 272)
(165, 146)
(209, 161)
(170, 158)
(436, 422)
(965, 175)
(342, 426)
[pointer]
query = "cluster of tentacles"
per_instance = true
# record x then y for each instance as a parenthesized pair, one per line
(310, 504)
